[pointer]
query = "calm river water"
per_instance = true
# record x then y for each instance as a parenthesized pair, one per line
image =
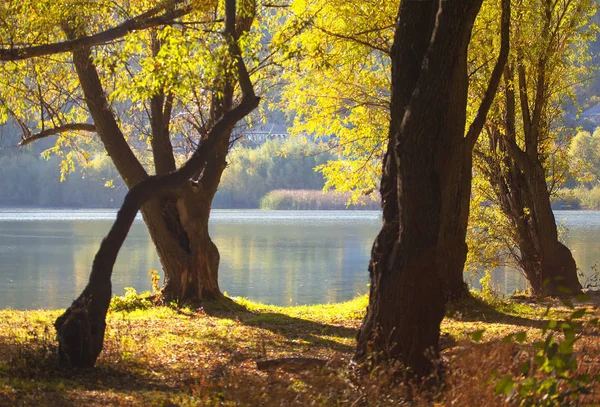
(278, 257)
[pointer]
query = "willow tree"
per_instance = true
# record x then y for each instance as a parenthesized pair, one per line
(161, 87)
(523, 156)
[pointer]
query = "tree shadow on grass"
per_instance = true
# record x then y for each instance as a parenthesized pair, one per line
(473, 309)
(36, 379)
(291, 328)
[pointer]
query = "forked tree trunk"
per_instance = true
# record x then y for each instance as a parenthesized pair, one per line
(429, 94)
(177, 222)
(80, 329)
(547, 264)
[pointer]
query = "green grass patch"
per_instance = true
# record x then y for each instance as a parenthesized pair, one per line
(165, 356)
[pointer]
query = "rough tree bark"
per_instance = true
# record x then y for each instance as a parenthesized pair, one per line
(412, 253)
(80, 330)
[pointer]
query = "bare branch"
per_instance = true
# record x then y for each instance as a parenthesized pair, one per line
(86, 127)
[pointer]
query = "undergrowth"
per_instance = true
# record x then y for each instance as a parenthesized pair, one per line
(170, 356)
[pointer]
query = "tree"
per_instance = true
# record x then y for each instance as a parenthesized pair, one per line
(522, 150)
(336, 81)
(584, 157)
(170, 76)
(81, 328)
(426, 163)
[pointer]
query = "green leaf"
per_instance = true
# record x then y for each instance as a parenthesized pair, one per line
(505, 385)
(521, 336)
(476, 336)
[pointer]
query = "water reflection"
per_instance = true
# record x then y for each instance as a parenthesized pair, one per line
(275, 257)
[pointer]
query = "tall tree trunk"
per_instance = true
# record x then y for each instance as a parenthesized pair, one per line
(429, 93)
(456, 181)
(557, 271)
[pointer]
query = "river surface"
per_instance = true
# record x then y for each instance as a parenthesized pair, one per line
(277, 257)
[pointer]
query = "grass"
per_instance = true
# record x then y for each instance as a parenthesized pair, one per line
(165, 356)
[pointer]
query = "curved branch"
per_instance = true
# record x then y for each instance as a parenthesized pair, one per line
(486, 103)
(143, 21)
(87, 127)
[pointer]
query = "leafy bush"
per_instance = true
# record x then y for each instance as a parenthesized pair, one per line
(131, 301)
(576, 198)
(550, 377)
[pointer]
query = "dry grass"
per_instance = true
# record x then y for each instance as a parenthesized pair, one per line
(203, 357)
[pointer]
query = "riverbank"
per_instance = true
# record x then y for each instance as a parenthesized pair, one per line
(579, 198)
(165, 356)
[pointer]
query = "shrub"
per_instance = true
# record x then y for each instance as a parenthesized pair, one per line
(313, 199)
(576, 198)
(254, 172)
(131, 301)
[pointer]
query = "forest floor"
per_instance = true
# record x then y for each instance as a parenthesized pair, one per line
(168, 356)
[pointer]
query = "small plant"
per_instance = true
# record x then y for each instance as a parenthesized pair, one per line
(131, 301)
(487, 291)
(157, 296)
(549, 377)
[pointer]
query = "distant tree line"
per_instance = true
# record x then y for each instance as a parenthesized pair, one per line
(31, 181)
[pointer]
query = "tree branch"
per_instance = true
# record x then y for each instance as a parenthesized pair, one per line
(87, 127)
(523, 97)
(490, 92)
(143, 21)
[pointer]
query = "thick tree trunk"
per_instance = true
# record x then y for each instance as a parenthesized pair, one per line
(179, 229)
(557, 273)
(546, 263)
(412, 253)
